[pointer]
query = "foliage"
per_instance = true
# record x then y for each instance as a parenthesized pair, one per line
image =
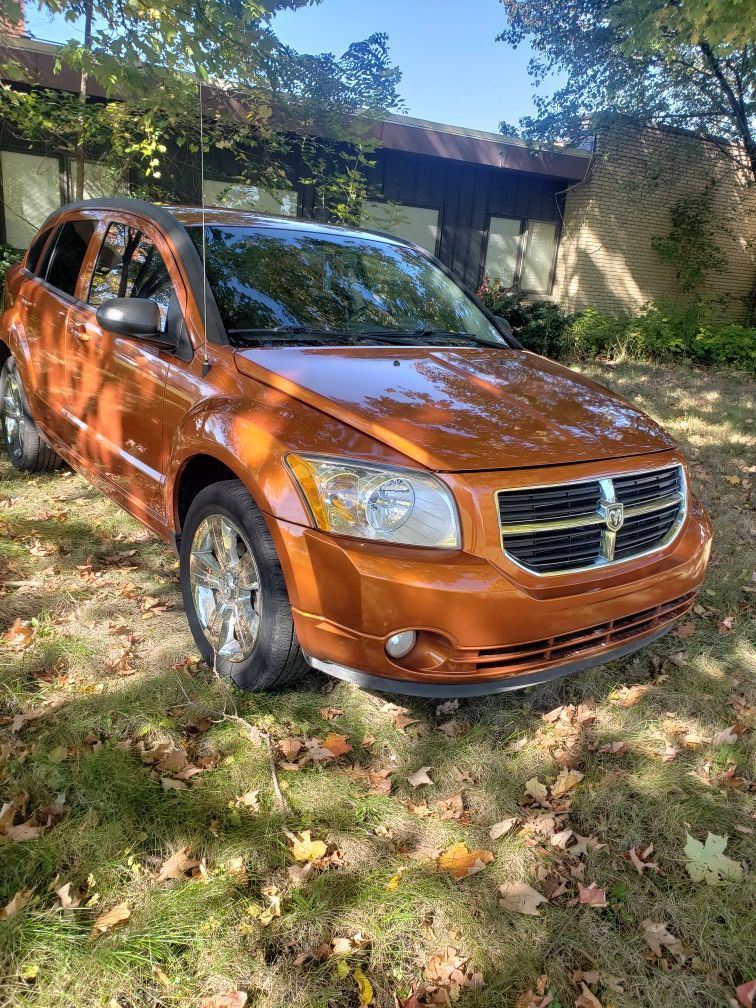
(658, 330)
(540, 326)
(8, 256)
(257, 93)
(656, 62)
(690, 246)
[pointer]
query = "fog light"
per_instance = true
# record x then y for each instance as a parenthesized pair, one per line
(400, 644)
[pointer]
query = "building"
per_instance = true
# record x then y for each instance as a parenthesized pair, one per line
(571, 225)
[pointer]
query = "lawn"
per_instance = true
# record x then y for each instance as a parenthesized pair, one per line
(151, 855)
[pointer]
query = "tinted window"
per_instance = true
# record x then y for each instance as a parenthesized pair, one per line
(71, 243)
(35, 250)
(263, 278)
(129, 265)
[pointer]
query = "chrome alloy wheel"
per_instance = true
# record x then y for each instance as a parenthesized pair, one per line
(225, 586)
(14, 418)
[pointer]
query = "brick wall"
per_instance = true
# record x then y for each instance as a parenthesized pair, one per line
(605, 257)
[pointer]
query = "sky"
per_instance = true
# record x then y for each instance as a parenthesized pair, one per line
(453, 69)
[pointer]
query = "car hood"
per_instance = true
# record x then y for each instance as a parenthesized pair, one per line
(460, 409)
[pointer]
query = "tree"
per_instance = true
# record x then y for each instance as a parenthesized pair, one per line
(154, 59)
(688, 65)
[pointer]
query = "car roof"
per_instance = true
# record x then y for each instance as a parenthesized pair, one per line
(189, 215)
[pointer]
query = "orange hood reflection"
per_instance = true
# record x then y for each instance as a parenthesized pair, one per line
(461, 409)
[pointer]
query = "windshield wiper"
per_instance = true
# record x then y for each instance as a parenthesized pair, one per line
(407, 336)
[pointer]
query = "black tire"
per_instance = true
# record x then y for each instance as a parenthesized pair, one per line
(276, 658)
(26, 448)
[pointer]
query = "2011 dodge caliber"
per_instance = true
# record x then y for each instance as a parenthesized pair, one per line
(360, 468)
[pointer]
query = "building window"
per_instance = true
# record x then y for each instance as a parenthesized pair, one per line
(31, 191)
(99, 181)
(417, 224)
(238, 196)
(520, 253)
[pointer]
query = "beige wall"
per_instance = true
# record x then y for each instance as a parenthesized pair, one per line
(605, 255)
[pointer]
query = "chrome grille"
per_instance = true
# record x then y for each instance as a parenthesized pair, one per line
(591, 523)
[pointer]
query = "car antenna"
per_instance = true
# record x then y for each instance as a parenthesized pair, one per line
(205, 358)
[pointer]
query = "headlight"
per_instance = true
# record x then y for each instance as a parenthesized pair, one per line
(377, 502)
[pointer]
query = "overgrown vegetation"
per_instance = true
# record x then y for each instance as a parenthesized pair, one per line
(8, 256)
(690, 246)
(145, 862)
(658, 330)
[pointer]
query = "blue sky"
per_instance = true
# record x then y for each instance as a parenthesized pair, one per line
(453, 69)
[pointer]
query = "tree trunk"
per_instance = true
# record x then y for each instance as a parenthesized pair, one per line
(79, 156)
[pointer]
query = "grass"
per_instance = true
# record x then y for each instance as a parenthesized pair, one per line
(78, 571)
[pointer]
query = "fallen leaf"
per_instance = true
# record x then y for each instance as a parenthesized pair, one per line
(303, 848)
(364, 988)
(728, 736)
(628, 696)
(18, 902)
(725, 625)
(614, 748)
(420, 777)
(707, 861)
(586, 998)
(24, 832)
(746, 993)
(177, 865)
(640, 859)
(67, 901)
(329, 713)
(561, 839)
(236, 869)
(658, 938)
(337, 744)
(452, 807)
(19, 635)
(535, 789)
(111, 919)
(591, 895)
(500, 828)
(684, 631)
(566, 781)
(231, 999)
(519, 897)
(461, 862)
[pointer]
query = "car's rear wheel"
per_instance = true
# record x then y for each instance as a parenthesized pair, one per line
(27, 449)
(234, 591)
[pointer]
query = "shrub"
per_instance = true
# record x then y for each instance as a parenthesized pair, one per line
(595, 334)
(8, 256)
(540, 326)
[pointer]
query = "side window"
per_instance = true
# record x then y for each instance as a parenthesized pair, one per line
(35, 250)
(129, 265)
(70, 247)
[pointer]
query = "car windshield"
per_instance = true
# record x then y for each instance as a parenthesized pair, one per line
(274, 285)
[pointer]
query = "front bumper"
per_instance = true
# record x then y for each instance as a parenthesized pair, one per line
(480, 629)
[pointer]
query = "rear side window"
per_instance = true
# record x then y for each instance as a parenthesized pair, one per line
(71, 244)
(129, 265)
(35, 250)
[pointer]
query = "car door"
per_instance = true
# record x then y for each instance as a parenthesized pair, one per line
(116, 384)
(45, 303)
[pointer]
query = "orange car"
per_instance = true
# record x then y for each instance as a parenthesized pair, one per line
(360, 468)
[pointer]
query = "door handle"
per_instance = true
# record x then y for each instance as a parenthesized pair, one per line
(79, 332)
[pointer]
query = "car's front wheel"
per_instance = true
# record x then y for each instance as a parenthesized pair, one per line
(234, 591)
(27, 449)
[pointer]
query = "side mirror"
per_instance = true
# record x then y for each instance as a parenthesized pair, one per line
(137, 318)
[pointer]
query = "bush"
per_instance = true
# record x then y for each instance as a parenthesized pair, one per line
(540, 326)
(8, 256)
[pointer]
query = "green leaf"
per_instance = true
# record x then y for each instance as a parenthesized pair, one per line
(708, 863)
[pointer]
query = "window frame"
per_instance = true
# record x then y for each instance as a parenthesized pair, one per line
(525, 223)
(185, 348)
(51, 246)
(439, 210)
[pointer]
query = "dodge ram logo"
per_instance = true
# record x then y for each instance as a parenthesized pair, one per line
(615, 517)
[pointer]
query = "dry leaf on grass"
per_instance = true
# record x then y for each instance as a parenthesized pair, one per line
(177, 865)
(519, 897)
(586, 998)
(684, 631)
(707, 861)
(746, 993)
(567, 780)
(329, 713)
(16, 903)
(640, 860)
(628, 696)
(535, 789)
(591, 895)
(111, 919)
(658, 938)
(420, 777)
(728, 736)
(304, 848)
(364, 987)
(500, 828)
(614, 748)
(231, 999)
(337, 744)
(460, 862)
(19, 635)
